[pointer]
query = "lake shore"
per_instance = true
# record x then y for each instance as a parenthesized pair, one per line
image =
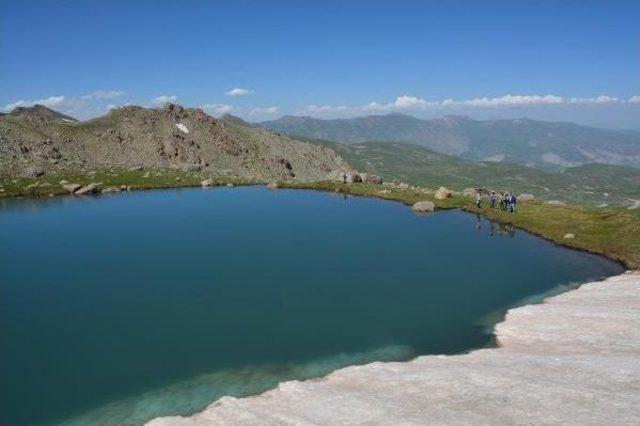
(575, 358)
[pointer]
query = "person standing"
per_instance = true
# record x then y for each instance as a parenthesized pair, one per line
(492, 199)
(478, 198)
(513, 203)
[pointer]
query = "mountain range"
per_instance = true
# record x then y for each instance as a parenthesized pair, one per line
(541, 144)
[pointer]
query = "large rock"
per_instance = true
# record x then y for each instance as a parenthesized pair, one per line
(526, 197)
(272, 185)
(71, 187)
(443, 193)
(469, 192)
(207, 182)
(92, 188)
(423, 206)
(369, 178)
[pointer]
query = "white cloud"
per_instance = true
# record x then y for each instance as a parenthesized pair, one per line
(236, 92)
(265, 111)
(219, 109)
(103, 94)
(163, 99)
(414, 103)
(507, 101)
(51, 101)
(602, 99)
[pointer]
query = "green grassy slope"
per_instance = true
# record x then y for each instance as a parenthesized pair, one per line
(419, 166)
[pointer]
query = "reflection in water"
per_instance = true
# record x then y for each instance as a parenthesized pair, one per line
(503, 228)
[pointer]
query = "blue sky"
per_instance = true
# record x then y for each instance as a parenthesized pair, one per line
(558, 60)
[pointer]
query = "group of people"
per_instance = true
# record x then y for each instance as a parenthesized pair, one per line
(507, 202)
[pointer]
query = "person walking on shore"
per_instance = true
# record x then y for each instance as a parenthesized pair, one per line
(504, 199)
(512, 203)
(492, 200)
(478, 198)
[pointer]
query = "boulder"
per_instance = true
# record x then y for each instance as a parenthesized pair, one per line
(124, 188)
(526, 197)
(92, 188)
(423, 207)
(369, 178)
(469, 192)
(206, 182)
(230, 185)
(63, 182)
(353, 177)
(272, 185)
(136, 168)
(556, 203)
(71, 187)
(443, 193)
(569, 236)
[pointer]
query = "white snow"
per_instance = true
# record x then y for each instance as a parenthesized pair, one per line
(182, 128)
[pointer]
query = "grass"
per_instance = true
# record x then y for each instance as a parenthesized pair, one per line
(613, 231)
(149, 178)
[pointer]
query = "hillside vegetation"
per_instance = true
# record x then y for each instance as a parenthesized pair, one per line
(591, 184)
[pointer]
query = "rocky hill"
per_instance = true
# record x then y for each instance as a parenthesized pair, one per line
(541, 144)
(38, 140)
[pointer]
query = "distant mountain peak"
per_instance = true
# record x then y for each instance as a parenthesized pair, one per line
(41, 112)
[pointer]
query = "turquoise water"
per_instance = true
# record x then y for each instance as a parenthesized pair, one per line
(117, 309)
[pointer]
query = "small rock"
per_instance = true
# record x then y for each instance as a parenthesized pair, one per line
(229, 184)
(123, 187)
(272, 185)
(423, 206)
(206, 182)
(110, 189)
(526, 197)
(603, 205)
(146, 175)
(63, 182)
(32, 172)
(569, 236)
(136, 168)
(71, 187)
(92, 188)
(556, 203)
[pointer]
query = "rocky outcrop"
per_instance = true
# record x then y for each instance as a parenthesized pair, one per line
(574, 359)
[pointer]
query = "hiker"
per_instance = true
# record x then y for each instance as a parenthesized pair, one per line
(503, 201)
(512, 203)
(492, 199)
(478, 198)
(344, 177)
